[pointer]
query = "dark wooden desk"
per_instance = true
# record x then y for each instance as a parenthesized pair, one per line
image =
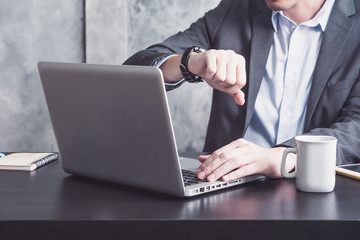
(50, 204)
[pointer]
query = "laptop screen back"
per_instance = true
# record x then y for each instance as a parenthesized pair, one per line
(113, 123)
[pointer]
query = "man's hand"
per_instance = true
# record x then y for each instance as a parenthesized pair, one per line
(223, 70)
(242, 158)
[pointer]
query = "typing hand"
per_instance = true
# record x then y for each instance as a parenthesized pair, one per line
(242, 158)
(223, 70)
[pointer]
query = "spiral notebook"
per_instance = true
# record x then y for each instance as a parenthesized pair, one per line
(26, 161)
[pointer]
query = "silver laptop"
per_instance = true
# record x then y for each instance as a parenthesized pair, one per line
(113, 123)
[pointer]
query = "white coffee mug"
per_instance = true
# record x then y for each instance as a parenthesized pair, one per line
(315, 166)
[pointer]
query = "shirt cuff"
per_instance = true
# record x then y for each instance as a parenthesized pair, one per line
(160, 62)
(169, 86)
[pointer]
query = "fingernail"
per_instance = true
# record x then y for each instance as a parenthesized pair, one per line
(211, 177)
(201, 175)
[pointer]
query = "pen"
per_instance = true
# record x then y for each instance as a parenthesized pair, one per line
(2, 155)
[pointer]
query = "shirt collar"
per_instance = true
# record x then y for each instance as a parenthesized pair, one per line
(320, 19)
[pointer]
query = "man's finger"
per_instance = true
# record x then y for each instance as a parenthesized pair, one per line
(231, 162)
(241, 71)
(239, 98)
(217, 153)
(214, 165)
(241, 172)
(231, 73)
(203, 158)
(220, 75)
(219, 157)
(210, 66)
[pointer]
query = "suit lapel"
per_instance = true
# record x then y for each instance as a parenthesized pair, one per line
(335, 35)
(262, 38)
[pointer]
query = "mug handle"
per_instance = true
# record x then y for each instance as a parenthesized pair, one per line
(283, 163)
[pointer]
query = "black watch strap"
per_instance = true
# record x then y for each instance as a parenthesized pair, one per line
(189, 76)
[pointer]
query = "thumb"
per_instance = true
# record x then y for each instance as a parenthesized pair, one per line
(239, 97)
(202, 158)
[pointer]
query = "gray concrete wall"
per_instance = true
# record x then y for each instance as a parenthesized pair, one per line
(31, 31)
(114, 29)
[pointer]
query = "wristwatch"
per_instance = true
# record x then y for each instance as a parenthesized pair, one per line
(189, 76)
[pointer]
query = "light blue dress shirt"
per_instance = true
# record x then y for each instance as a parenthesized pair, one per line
(281, 104)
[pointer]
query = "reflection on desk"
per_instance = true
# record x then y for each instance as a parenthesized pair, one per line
(84, 198)
(52, 204)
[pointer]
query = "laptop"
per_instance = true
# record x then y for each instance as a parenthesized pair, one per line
(113, 123)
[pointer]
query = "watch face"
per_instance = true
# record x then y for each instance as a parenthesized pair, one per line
(199, 50)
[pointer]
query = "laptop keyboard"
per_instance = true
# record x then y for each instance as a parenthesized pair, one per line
(190, 178)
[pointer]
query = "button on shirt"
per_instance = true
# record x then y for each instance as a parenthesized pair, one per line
(281, 104)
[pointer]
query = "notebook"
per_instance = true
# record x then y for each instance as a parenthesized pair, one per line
(113, 123)
(26, 161)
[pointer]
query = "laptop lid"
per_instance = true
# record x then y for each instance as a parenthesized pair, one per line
(113, 123)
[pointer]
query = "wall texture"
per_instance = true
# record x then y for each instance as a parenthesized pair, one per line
(95, 31)
(32, 31)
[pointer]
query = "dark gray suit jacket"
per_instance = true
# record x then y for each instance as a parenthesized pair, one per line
(245, 27)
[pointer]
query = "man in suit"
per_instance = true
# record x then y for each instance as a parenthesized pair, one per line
(279, 68)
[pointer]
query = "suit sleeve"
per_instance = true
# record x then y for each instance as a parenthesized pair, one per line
(346, 129)
(201, 33)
